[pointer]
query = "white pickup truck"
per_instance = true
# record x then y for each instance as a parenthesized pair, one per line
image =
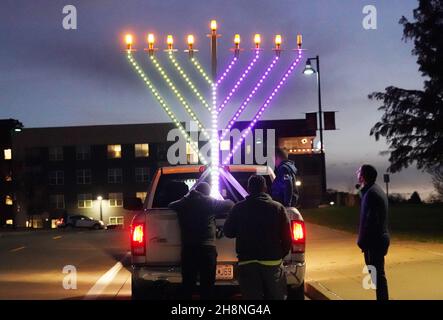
(155, 235)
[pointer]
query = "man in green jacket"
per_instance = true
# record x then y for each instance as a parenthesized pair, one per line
(263, 238)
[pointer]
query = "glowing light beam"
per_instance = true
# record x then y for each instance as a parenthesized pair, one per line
(249, 97)
(202, 71)
(188, 81)
(165, 107)
(264, 107)
(179, 96)
(227, 70)
(239, 81)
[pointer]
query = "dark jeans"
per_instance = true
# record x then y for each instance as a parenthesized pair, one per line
(198, 261)
(376, 258)
(258, 282)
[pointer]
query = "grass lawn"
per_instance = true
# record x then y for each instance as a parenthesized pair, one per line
(406, 221)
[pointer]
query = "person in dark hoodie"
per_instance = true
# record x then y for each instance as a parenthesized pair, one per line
(263, 238)
(196, 216)
(373, 236)
(283, 187)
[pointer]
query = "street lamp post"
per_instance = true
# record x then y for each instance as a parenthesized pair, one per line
(100, 198)
(309, 70)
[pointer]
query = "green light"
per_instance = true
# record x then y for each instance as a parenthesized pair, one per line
(188, 81)
(179, 96)
(201, 70)
(166, 108)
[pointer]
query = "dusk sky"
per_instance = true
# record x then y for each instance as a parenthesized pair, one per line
(50, 76)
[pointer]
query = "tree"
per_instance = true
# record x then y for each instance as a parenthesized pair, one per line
(412, 122)
(415, 198)
(437, 179)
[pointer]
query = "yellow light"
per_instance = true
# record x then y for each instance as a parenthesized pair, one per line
(129, 39)
(278, 40)
(257, 39)
(190, 39)
(151, 38)
(213, 25)
(237, 39)
(299, 41)
(169, 40)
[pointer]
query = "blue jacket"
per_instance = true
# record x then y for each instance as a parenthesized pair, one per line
(373, 230)
(283, 187)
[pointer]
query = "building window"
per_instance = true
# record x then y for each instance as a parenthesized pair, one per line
(56, 178)
(57, 201)
(114, 151)
(56, 153)
(141, 195)
(84, 176)
(119, 220)
(84, 201)
(141, 174)
(115, 175)
(116, 199)
(8, 200)
(142, 150)
(83, 152)
(7, 154)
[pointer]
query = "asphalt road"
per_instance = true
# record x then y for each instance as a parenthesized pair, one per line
(32, 263)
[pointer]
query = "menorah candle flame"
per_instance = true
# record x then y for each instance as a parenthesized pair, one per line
(215, 167)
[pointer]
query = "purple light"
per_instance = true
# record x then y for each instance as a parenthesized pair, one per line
(240, 80)
(249, 98)
(227, 70)
(263, 108)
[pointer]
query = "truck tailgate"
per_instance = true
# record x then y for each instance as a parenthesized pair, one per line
(163, 243)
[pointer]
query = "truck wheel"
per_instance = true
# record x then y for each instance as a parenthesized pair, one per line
(296, 293)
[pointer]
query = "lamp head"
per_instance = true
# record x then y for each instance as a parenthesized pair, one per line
(308, 69)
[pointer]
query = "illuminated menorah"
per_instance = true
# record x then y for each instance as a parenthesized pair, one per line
(214, 166)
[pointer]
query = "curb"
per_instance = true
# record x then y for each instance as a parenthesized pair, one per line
(316, 291)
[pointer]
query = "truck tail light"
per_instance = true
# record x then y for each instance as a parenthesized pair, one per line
(138, 239)
(298, 234)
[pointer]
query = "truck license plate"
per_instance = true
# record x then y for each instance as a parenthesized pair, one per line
(225, 272)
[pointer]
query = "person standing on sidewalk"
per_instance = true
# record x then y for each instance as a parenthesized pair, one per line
(263, 238)
(196, 217)
(373, 236)
(283, 187)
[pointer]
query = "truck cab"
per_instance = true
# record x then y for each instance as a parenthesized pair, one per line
(155, 234)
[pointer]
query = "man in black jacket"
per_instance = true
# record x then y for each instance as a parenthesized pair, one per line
(373, 237)
(196, 216)
(283, 187)
(263, 238)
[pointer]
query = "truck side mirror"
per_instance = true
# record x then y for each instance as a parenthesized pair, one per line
(132, 204)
